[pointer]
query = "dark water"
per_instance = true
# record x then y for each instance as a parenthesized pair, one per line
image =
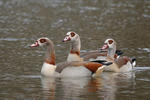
(23, 21)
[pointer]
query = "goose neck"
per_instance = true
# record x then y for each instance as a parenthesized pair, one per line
(76, 45)
(111, 52)
(50, 54)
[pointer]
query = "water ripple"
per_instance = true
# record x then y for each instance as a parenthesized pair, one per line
(12, 39)
(144, 49)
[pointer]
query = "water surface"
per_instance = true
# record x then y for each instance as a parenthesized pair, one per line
(23, 21)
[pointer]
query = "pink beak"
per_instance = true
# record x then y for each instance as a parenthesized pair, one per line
(105, 46)
(34, 44)
(67, 38)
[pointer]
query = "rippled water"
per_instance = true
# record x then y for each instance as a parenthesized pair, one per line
(23, 21)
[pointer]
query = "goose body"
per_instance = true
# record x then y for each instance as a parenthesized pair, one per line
(126, 67)
(68, 68)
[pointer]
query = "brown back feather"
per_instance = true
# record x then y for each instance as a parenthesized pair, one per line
(92, 66)
(122, 61)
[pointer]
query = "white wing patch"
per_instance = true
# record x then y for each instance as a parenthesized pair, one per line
(75, 72)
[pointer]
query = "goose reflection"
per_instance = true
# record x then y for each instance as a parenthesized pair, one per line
(77, 88)
(111, 82)
(48, 87)
(104, 87)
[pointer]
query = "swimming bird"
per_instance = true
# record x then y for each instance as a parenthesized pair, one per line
(121, 64)
(76, 55)
(66, 69)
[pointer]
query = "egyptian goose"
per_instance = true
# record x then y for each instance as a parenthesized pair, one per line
(74, 54)
(121, 64)
(74, 68)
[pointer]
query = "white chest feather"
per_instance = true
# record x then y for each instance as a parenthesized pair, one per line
(74, 57)
(48, 69)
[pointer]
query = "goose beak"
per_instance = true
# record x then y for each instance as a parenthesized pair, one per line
(67, 38)
(34, 44)
(105, 46)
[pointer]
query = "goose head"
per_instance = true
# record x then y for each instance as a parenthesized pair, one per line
(50, 52)
(109, 44)
(71, 36)
(40, 42)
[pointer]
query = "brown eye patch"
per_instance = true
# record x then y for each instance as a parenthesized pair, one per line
(110, 41)
(42, 40)
(72, 34)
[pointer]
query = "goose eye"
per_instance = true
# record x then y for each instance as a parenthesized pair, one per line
(72, 34)
(110, 41)
(42, 40)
